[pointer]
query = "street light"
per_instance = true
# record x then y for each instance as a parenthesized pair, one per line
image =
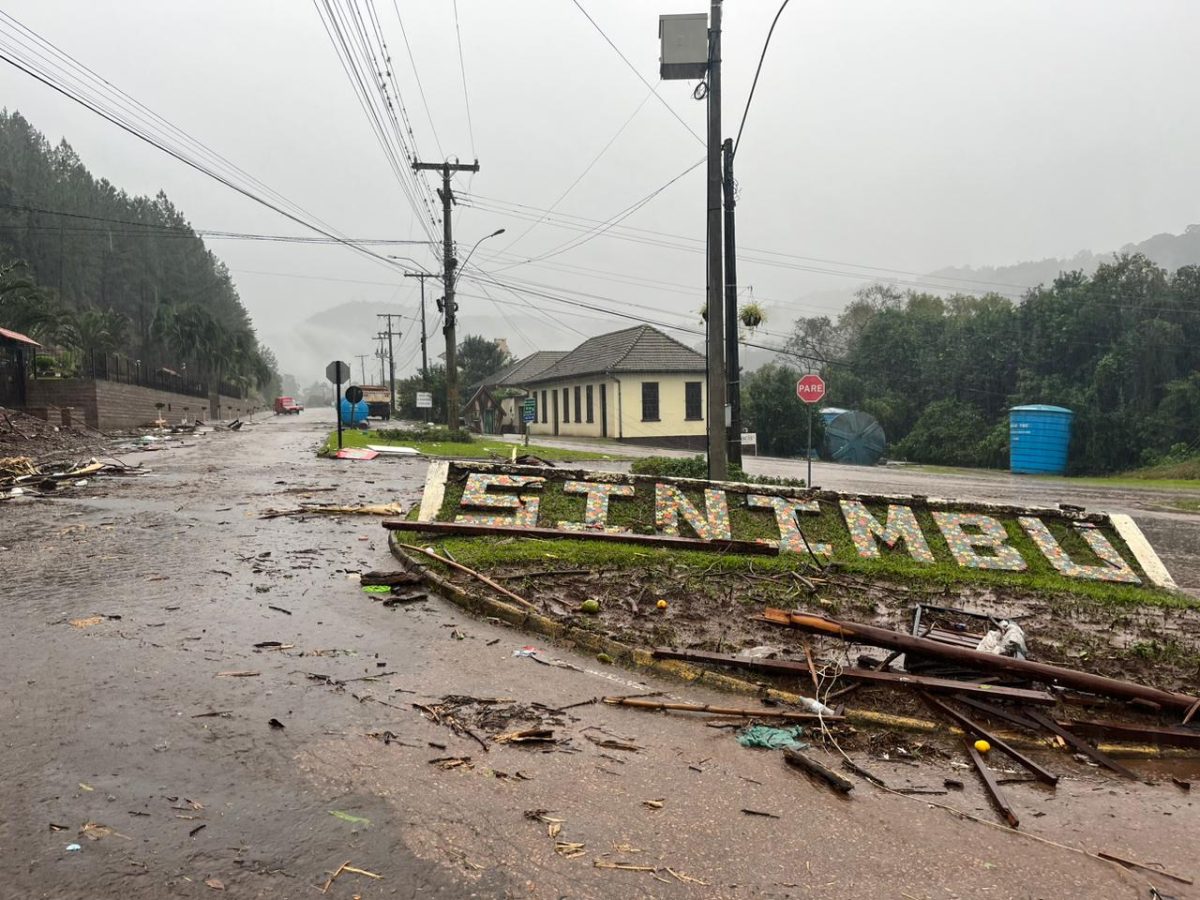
(450, 279)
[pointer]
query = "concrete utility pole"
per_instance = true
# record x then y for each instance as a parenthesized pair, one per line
(448, 279)
(362, 364)
(382, 354)
(391, 358)
(718, 459)
(732, 362)
(424, 348)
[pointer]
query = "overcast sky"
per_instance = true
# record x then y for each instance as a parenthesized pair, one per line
(904, 136)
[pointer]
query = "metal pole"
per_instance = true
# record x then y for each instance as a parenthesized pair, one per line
(338, 408)
(808, 483)
(718, 459)
(732, 363)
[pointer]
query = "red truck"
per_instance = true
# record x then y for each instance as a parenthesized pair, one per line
(287, 406)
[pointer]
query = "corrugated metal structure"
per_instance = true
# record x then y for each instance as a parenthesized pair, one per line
(1039, 437)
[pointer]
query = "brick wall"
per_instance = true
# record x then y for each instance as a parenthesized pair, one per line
(112, 406)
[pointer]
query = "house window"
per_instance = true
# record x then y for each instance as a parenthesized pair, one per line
(692, 400)
(566, 404)
(590, 408)
(545, 408)
(578, 404)
(650, 401)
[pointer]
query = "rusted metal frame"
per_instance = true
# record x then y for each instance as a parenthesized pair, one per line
(999, 712)
(883, 637)
(971, 727)
(646, 540)
(711, 710)
(788, 667)
(1095, 753)
(993, 789)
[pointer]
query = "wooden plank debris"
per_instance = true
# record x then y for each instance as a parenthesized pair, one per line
(647, 540)
(882, 637)
(1135, 733)
(925, 682)
(839, 783)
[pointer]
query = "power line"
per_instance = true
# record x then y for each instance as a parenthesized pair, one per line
(737, 141)
(462, 68)
(416, 75)
(182, 154)
(635, 71)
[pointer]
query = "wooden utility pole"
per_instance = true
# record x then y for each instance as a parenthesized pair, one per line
(391, 357)
(718, 457)
(448, 279)
(362, 364)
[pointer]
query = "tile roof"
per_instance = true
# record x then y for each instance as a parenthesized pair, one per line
(18, 337)
(638, 349)
(529, 367)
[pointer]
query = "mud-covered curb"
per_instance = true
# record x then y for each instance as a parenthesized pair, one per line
(638, 659)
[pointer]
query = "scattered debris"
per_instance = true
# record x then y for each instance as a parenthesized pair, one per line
(381, 509)
(1130, 864)
(811, 766)
(275, 723)
(757, 812)
(653, 804)
(360, 453)
(720, 710)
(352, 819)
(771, 738)
(239, 674)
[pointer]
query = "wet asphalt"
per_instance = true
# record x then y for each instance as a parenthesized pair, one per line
(107, 724)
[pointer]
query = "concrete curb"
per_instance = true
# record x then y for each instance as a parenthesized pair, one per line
(638, 659)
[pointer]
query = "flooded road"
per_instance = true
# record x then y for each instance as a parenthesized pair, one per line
(146, 737)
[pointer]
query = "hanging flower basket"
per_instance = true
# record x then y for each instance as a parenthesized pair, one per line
(752, 315)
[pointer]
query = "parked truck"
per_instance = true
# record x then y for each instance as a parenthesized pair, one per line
(378, 398)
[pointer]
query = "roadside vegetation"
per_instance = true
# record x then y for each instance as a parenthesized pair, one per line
(454, 444)
(697, 467)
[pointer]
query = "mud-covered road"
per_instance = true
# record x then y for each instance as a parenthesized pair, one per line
(131, 738)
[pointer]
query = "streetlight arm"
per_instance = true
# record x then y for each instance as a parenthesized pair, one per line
(496, 233)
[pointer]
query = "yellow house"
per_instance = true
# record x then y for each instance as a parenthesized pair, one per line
(635, 385)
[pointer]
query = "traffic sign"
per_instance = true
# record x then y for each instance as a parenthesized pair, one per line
(338, 372)
(529, 410)
(354, 393)
(424, 400)
(810, 388)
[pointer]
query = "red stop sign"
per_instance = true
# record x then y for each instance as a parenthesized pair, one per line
(811, 388)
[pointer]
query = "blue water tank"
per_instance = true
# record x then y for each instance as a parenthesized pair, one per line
(354, 416)
(1038, 438)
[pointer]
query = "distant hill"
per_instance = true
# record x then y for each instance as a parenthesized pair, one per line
(1171, 251)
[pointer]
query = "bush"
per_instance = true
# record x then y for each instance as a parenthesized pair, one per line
(697, 467)
(428, 434)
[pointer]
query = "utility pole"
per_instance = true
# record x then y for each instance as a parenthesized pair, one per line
(391, 358)
(382, 354)
(718, 459)
(448, 279)
(424, 349)
(732, 363)
(362, 364)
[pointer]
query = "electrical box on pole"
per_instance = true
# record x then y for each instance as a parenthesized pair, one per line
(684, 42)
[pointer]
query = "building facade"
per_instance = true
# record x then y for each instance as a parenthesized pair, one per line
(635, 385)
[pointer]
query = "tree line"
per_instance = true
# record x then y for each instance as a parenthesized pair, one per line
(1120, 348)
(87, 268)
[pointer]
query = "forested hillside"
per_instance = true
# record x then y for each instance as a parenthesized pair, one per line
(88, 268)
(1120, 347)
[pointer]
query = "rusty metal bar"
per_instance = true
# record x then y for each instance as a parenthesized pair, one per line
(993, 789)
(884, 637)
(1081, 745)
(1125, 731)
(971, 727)
(789, 667)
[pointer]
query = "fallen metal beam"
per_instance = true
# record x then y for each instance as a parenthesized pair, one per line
(646, 540)
(925, 682)
(993, 789)
(1094, 753)
(971, 727)
(1133, 733)
(884, 637)
(722, 710)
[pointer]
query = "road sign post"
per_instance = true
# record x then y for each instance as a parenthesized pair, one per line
(528, 414)
(810, 389)
(339, 373)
